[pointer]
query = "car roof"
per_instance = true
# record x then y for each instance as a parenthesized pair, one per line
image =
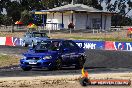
(55, 40)
(38, 32)
(35, 32)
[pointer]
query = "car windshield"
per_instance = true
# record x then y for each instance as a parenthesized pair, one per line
(48, 45)
(39, 35)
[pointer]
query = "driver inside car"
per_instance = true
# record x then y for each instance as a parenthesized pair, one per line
(54, 46)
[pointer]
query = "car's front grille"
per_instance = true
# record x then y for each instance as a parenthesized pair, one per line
(33, 58)
(27, 63)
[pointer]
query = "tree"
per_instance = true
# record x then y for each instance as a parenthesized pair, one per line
(7, 20)
(92, 3)
(13, 10)
(121, 7)
(33, 4)
(1, 6)
(1, 19)
(26, 17)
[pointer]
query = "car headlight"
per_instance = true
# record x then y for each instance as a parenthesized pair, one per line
(47, 57)
(38, 41)
(24, 57)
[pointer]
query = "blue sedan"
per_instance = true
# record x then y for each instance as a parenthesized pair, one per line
(53, 54)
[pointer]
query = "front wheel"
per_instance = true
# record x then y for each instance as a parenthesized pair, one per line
(80, 63)
(58, 64)
(26, 68)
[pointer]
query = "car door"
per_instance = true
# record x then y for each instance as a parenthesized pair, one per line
(65, 53)
(74, 49)
(26, 38)
(30, 38)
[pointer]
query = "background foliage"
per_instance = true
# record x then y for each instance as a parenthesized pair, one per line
(21, 9)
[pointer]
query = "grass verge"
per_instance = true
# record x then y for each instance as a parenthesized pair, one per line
(8, 60)
(103, 39)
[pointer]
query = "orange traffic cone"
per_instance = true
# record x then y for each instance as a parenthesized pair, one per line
(84, 73)
(85, 80)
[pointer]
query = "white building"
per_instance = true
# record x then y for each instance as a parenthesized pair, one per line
(82, 16)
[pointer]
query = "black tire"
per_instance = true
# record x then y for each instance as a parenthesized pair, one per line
(80, 63)
(50, 69)
(26, 68)
(58, 64)
(85, 81)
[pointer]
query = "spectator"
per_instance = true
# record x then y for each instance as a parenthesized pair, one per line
(54, 46)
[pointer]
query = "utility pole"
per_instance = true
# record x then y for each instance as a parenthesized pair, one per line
(72, 2)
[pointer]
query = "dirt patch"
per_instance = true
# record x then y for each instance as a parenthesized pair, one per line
(38, 82)
(68, 81)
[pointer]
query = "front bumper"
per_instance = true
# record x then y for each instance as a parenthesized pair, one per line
(36, 63)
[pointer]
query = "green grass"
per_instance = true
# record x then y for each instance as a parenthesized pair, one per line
(8, 60)
(103, 39)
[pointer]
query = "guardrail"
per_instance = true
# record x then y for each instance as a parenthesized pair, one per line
(86, 44)
(11, 41)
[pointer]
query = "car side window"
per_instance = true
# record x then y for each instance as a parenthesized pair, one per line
(72, 45)
(65, 44)
(44, 35)
(27, 35)
(55, 45)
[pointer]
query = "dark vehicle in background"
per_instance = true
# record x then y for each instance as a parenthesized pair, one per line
(32, 38)
(53, 54)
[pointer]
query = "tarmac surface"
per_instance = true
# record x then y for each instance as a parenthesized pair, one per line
(98, 61)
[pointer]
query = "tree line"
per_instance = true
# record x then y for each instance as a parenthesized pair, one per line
(21, 9)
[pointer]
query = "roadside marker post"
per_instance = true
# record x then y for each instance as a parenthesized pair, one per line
(85, 80)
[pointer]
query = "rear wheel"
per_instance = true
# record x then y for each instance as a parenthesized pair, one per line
(24, 44)
(80, 63)
(58, 65)
(26, 68)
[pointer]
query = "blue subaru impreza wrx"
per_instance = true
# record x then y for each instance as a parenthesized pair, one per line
(53, 54)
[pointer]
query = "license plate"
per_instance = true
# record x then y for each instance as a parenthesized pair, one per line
(32, 62)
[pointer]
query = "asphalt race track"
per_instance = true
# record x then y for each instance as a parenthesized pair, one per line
(98, 61)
